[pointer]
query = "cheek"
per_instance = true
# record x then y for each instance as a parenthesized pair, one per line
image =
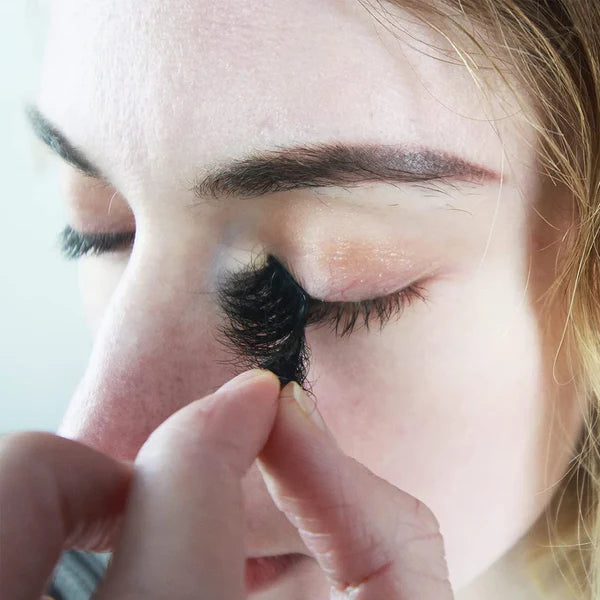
(441, 367)
(450, 404)
(98, 279)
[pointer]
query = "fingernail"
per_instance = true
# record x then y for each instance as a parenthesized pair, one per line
(293, 391)
(242, 379)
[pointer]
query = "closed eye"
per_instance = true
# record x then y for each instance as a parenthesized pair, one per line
(74, 244)
(345, 317)
(342, 317)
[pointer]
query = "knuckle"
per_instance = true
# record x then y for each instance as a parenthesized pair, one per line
(420, 543)
(425, 517)
(416, 525)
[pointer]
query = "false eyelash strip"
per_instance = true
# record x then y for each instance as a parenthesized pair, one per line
(267, 313)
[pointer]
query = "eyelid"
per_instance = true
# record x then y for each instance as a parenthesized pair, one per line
(94, 204)
(356, 272)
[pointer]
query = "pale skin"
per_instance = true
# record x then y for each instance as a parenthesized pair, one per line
(451, 425)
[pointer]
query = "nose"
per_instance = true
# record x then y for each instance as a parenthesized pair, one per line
(155, 350)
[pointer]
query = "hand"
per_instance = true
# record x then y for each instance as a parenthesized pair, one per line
(371, 539)
(175, 515)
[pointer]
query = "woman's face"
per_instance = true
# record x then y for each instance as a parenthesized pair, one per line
(455, 401)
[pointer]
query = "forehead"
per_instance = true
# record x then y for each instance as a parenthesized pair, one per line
(146, 88)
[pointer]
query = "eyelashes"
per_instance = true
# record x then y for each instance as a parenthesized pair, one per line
(74, 244)
(266, 312)
(344, 317)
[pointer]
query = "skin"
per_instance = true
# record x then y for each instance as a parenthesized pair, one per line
(463, 402)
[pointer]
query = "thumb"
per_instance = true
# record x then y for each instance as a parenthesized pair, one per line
(371, 539)
(182, 532)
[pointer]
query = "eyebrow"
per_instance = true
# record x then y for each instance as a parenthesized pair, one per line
(334, 164)
(47, 133)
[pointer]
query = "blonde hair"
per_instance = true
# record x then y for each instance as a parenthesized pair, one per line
(552, 49)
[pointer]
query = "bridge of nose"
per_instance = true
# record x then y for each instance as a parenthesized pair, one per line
(155, 350)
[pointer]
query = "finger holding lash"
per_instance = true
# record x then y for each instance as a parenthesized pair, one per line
(183, 530)
(371, 539)
(174, 517)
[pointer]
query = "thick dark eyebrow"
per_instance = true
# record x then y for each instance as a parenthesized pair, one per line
(59, 144)
(334, 164)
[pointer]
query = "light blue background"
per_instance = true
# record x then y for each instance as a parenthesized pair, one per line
(44, 339)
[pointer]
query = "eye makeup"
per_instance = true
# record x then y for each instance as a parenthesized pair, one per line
(349, 269)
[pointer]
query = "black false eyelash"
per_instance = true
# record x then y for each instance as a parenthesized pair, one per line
(267, 313)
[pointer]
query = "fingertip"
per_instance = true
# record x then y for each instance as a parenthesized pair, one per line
(230, 425)
(247, 377)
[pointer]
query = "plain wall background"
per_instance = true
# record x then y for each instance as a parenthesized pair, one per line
(44, 339)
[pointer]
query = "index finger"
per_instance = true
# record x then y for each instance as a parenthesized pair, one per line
(182, 533)
(55, 493)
